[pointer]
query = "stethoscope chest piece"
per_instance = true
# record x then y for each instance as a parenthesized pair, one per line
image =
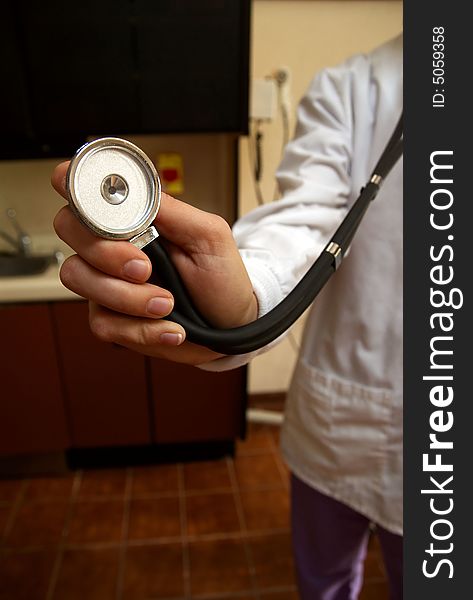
(114, 189)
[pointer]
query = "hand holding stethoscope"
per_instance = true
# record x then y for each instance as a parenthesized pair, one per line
(114, 190)
(113, 275)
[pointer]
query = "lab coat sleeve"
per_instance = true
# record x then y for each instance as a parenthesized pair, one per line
(279, 241)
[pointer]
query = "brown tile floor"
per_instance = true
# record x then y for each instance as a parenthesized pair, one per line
(216, 530)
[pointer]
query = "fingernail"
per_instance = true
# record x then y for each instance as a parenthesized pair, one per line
(171, 339)
(159, 306)
(136, 269)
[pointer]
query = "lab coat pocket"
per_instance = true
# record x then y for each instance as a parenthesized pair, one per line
(361, 419)
(348, 423)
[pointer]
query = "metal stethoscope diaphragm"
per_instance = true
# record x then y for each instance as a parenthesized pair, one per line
(114, 190)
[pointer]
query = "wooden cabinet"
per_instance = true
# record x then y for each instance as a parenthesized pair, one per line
(125, 67)
(105, 386)
(192, 405)
(32, 411)
(63, 389)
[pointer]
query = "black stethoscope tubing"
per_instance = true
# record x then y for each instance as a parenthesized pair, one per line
(259, 333)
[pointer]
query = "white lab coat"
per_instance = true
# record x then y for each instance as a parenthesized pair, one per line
(342, 431)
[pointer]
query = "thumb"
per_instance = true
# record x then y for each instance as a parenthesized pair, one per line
(183, 224)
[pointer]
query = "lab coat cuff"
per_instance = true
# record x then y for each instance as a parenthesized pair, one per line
(266, 285)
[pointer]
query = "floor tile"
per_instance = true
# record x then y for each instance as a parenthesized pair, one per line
(373, 567)
(374, 545)
(10, 489)
(211, 513)
(207, 475)
(233, 597)
(281, 595)
(276, 435)
(154, 518)
(217, 567)
(155, 480)
(153, 572)
(37, 524)
(25, 575)
(88, 575)
(265, 510)
(272, 560)
(96, 522)
(374, 591)
(49, 488)
(284, 470)
(103, 483)
(256, 471)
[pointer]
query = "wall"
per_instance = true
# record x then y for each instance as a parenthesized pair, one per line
(305, 36)
(25, 184)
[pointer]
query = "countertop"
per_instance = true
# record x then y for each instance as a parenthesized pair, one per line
(42, 287)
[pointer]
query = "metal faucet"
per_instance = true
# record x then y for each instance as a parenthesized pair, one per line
(22, 243)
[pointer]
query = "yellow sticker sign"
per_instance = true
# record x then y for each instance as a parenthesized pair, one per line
(171, 171)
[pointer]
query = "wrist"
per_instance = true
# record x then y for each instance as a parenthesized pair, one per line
(252, 311)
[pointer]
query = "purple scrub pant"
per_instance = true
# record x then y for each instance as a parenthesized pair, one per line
(330, 542)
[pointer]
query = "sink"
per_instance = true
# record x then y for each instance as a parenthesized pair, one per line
(17, 265)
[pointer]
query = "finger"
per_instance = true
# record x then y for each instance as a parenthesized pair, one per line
(110, 326)
(187, 353)
(140, 300)
(116, 258)
(58, 178)
(187, 226)
(160, 339)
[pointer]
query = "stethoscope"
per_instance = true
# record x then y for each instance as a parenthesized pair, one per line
(114, 190)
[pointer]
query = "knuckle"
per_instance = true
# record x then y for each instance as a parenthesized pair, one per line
(148, 333)
(217, 231)
(219, 226)
(100, 328)
(69, 270)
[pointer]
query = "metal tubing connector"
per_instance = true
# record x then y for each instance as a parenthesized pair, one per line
(335, 250)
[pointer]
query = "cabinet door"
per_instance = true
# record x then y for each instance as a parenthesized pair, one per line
(105, 385)
(191, 405)
(200, 51)
(32, 415)
(121, 67)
